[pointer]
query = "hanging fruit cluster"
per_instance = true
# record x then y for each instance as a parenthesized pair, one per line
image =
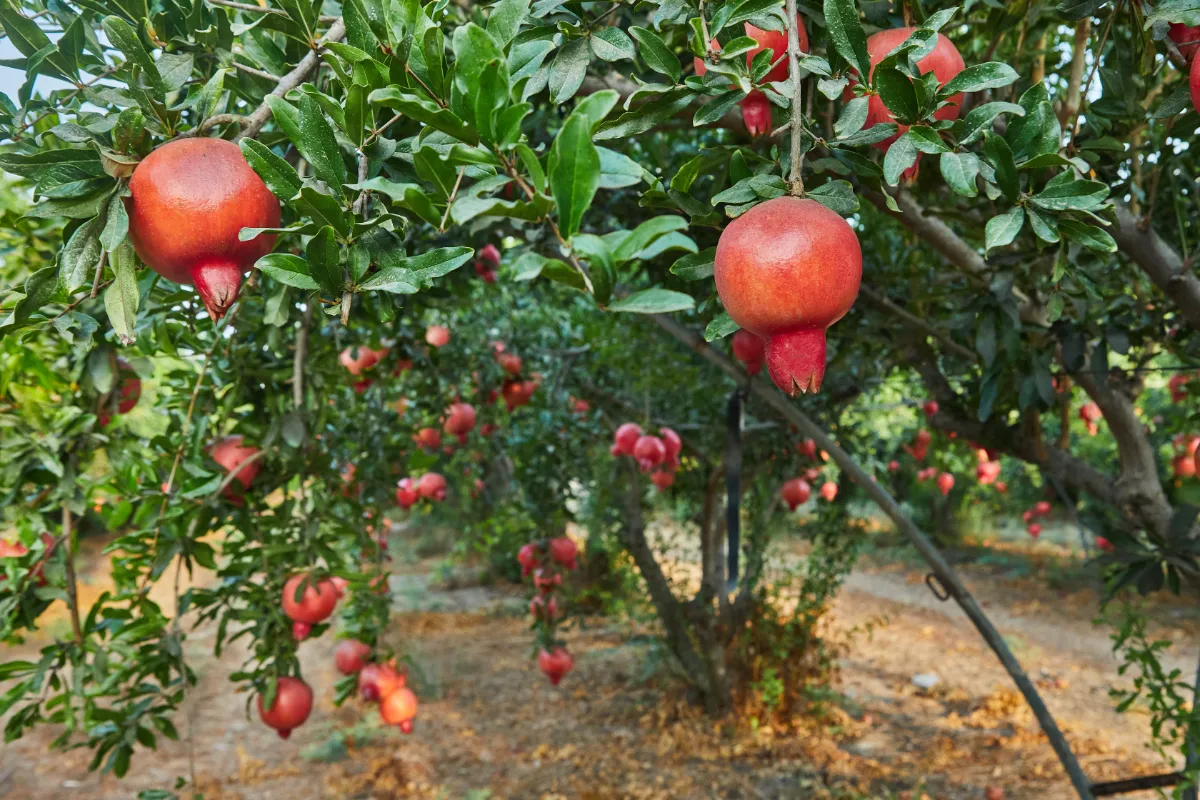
(546, 561)
(657, 455)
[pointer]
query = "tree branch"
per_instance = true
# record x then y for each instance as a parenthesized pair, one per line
(795, 178)
(1160, 262)
(72, 583)
(880, 300)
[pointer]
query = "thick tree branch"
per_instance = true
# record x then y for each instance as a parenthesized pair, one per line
(938, 564)
(1160, 262)
(1083, 31)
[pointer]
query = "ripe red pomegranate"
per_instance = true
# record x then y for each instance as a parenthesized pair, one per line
(796, 493)
(756, 113)
(406, 494)
(542, 609)
(358, 360)
(1183, 466)
(1186, 38)
(351, 656)
(807, 448)
(129, 391)
(920, 446)
(649, 451)
(398, 708)
(428, 439)
(230, 454)
(993, 793)
(485, 272)
(300, 631)
(1035, 530)
(893, 465)
(672, 443)
(489, 254)
(293, 701)
(377, 681)
(432, 486)
(564, 551)
(517, 393)
(945, 482)
(1104, 544)
(930, 408)
(545, 581)
(188, 201)
(626, 438)
(829, 490)
(555, 665)
(437, 335)
(944, 61)
(527, 558)
(460, 419)
(987, 472)
(786, 270)
(340, 583)
(1001, 487)
(1194, 83)
(316, 601)
(1041, 508)
(580, 407)
(509, 362)
(1178, 388)
(750, 350)
(663, 479)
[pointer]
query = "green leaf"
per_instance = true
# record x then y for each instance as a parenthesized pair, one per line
(1001, 159)
(654, 301)
(618, 170)
(288, 269)
(80, 255)
(125, 38)
(878, 132)
(322, 255)
(927, 140)
(574, 169)
(897, 93)
(980, 119)
(436, 263)
(853, 117)
(116, 223)
(25, 34)
(1002, 229)
(325, 210)
(613, 44)
(1072, 196)
(721, 326)
(505, 20)
(568, 70)
(318, 145)
(121, 298)
(645, 117)
(358, 113)
(900, 156)
(645, 234)
(656, 54)
(960, 171)
(1090, 236)
(426, 111)
(977, 77)
(1178, 101)
(836, 195)
(1045, 226)
(716, 108)
(846, 32)
(696, 266)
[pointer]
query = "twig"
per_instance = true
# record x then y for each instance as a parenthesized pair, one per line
(428, 91)
(301, 355)
(71, 96)
(375, 134)
(453, 194)
(72, 585)
(796, 181)
(258, 73)
(99, 274)
(297, 76)
(883, 302)
(262, 10)
(364, 168)
(210, 123)
(704, 31)
(75, 304)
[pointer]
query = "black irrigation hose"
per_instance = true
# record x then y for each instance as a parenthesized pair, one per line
(733, 482)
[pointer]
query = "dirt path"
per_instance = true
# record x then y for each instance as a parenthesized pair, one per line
(491, 727)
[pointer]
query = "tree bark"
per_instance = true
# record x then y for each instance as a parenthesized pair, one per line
(1160, 262)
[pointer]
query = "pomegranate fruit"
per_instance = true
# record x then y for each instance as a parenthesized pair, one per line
(1041, 508)
(829, 490)
(555, 664)
(230, 454)
(1186, 38)
(542, 609)
(437, 335)
(893, 465)
(460, 419)
(581, 407)
(796, 493)
(1035, 530)
(1001, 487)
(188, 200)
(672, 443)
(649, 451)
(626, 438)
(1104, 544)
(750, 350)
(406, 494)
(510, 363)
(315, 603)
(545, 581)
(358, 360)
(490, 254)
(1194, 83)
(944, 61)
(351, 656)
(432, 486)
(427, 438)
(807, 448)
(399, 708)
(993, 793)
(340, 583)
(292, 704)
(756, 113)
(786, 270)
(987, 472)
(564, 551)
(527, 558)
(663, 479)
(378, 681)
(945, 482)
(930, 408)
(300, 631)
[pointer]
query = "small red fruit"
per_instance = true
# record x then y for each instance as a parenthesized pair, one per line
(555, 664)
(527, 558)
(316, 602)
(750, 350)
(293, 703)
(775, 41)
(1041, 508)
(649, 451)
(626, 438)
(340, 583)
(406, 494)
(428, 438)
(796, 493)
(786, 270)
(1001, 486)
(399, 708)
(893, 465)
(545, 581)
(437, 335)
(756, 113)
(358, 360)
(510, 363)
(945, 482)
(230, 454)
(432, 486)
(542, 609)
(350, 656)
(663, 479)
(460, 419)
(930, 408)
(993, 793)
(829, 490)
(1104, 544)
(807, 448)
(188, 201)
(300, 631)
(672, 443)
(490, 254)
(564, 551)
(1035, 530)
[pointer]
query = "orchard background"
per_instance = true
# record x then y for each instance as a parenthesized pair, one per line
(358, 360)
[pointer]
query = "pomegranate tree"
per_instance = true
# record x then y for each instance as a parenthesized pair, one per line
(188, 201)
(786, 270)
